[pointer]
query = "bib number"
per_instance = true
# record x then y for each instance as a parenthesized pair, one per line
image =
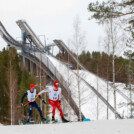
(55, 98)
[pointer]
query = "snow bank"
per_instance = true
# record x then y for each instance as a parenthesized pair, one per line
(93, 127)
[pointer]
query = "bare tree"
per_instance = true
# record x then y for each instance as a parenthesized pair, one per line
(113, 43)
(107, 49)
(13, 86)
(78, 43)
(69, 82)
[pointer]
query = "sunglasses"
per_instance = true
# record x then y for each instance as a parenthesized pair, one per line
(32, 88)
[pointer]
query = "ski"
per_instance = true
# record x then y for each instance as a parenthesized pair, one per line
(41, 121)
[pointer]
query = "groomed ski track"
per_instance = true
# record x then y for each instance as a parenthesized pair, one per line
(92, 127)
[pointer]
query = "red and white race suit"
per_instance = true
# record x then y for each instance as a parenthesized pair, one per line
(54, 98)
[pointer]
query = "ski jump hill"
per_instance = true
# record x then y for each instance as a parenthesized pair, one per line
(92, 127)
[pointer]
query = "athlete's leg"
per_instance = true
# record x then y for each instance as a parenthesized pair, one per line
(52, 103)
(38, 108)
(59, 108)
(30, 112)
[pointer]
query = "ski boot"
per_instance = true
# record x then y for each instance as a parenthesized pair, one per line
(64, 120)
(43, 119)
(53, 119)
(27, 122)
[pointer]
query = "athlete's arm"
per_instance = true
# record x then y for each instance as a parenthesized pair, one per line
(44, 91)
(23, 97)
(40, 97)
(38, 94)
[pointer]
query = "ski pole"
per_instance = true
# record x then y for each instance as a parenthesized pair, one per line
(31, 100)
(16, 109)
(51, 109)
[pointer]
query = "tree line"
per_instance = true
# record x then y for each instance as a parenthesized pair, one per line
(14, 81)
(100, 63)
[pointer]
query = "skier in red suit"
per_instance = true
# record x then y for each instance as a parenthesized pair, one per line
(54, 99)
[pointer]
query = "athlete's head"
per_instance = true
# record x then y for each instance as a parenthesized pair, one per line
(56, 84)
(32, 87)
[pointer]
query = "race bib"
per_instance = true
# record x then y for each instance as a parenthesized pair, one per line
(55, 97)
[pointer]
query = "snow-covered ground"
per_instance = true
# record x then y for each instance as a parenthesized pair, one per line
(93, 127)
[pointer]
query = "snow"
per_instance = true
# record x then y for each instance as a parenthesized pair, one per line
(91, 127)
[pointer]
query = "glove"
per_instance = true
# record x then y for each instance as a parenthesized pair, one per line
(21, 104)
(37, 95)
(44, 102)
(60, 102)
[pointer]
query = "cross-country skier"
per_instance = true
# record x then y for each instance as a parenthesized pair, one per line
(31, 96)
(55, 100)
